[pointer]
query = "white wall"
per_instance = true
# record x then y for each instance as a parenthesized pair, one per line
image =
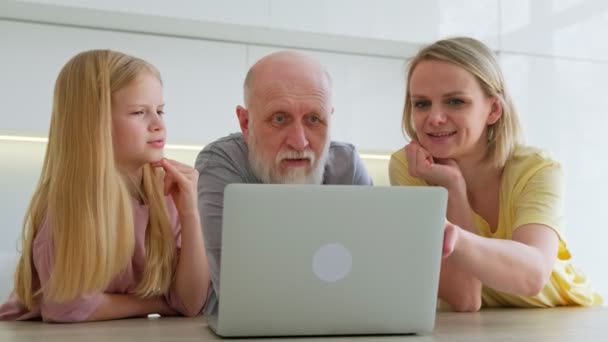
(553, 53)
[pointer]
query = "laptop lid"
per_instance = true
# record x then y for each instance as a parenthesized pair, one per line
(329, 259)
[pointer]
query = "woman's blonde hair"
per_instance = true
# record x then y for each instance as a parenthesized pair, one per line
(476, 58)
(84, 198)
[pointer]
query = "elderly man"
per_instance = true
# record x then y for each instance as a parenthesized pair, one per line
(285, 127)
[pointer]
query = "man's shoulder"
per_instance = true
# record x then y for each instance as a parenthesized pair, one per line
(344, 166)
(229, 142)
(342, 151)
(232, 147)
(224, 161)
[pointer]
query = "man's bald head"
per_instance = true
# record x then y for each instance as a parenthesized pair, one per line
(287, 119)
(289, 67)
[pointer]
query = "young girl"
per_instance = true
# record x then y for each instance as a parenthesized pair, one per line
(505, 198)
(113, 229)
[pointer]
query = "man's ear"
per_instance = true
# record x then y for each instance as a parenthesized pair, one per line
(496, 110)
(243, 115)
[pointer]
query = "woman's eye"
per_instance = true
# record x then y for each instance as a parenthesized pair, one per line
(455, 102)
(422, 103)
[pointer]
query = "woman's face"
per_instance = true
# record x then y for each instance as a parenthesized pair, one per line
(450, 111)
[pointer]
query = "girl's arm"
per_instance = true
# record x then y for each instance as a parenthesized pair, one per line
(116, 306)
(192, 272)
(90, 307)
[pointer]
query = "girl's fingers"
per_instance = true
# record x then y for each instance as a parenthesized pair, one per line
(168, 182)
(173, 169)
(178, 165)
(183, 168)
(157, 163)
(178, 174)
(189, 173)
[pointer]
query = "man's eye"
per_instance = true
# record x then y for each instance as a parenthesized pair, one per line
(279, 118)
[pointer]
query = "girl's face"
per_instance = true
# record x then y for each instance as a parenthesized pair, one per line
(138, 128)
(450, 110)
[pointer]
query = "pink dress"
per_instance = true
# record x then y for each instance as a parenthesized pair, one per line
(83, 307)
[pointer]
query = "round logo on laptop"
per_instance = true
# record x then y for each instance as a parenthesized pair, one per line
(332, 262)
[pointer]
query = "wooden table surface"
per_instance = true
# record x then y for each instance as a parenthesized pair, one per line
(561, 324)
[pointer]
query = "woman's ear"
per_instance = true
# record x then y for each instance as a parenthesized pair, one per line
(496, 110)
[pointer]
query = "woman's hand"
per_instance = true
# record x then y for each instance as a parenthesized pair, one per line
(441, 172)
(450, 238)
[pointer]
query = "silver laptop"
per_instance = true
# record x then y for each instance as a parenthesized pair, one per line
(302, 260)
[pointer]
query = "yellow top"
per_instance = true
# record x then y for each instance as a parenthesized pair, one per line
(530, 192)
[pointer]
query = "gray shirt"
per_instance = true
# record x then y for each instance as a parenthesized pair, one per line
(226, 161)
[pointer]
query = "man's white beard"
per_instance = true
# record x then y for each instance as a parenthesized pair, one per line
(268, 172)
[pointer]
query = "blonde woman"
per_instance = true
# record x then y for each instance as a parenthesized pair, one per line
(113, 229)
(504, 198)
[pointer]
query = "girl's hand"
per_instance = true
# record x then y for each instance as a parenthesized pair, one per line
(181, 183)
(164, 309)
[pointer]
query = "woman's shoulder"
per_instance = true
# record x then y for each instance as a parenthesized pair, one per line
(527, 158)
(528, 163)
(398, 159)
(399, 154)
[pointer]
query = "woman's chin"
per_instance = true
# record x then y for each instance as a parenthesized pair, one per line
(441, 154)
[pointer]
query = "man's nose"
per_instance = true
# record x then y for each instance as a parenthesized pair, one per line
(296, 138)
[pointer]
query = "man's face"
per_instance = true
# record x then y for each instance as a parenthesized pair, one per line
(288, 131)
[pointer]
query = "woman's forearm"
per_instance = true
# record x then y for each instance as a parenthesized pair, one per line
(504, 265)
(457, 286)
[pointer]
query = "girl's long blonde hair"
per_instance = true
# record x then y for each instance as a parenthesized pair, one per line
(84, 198)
